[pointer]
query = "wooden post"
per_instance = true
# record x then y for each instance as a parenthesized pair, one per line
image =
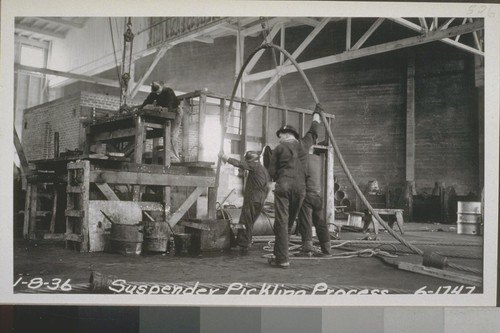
(140, 138)
(27, 211)
(330, 184)
(166, 162)
(185, 129)
(265, 125)
(243, 141)
(201, 128)
(54, 211)
(32, 211)
(410, 131)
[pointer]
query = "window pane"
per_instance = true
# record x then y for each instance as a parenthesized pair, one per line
(32, 56)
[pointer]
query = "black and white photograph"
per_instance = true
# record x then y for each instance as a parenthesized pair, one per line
(252, 155)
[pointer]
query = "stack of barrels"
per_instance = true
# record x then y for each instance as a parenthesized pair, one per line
(340, 196)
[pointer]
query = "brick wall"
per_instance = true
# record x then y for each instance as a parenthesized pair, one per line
(42, 121)
(64, 115)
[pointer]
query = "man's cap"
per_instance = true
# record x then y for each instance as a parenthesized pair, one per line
(288, 129)
(252, 155)
(155, 86)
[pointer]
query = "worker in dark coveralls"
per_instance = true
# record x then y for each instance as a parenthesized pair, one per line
(288, 168)
(161, 96)
(311, 212)
(256, 190)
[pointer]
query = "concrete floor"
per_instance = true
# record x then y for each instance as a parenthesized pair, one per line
(50, 260)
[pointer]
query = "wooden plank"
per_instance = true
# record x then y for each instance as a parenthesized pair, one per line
(20, 153)
(78, 77)
(330, 187)
(442, 274)
(33, 211)
(120, 177)
(27, 211)
(167, 146)
(150, 206)
(112, 134)
(56, 237)
(199, 226)
(73, 237)
(107, 191)
(54, 211)
(140, 138)
(190, 200)
(75, 189)
(211, 203)
(201, 125)
(74, 213)
(410, 116)
(244, 130)
(265, 124)
(368, 33)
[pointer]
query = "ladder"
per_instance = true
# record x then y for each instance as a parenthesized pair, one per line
(77, 206)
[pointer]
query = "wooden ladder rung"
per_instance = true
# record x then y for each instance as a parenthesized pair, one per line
(75, 189)
(74, 237)
(74, 213)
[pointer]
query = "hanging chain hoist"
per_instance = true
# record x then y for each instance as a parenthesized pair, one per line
(128, 42)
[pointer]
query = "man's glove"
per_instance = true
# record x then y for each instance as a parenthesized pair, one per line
(316, 114)
(222, 157)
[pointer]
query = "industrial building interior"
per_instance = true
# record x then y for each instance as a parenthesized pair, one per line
(107, 192)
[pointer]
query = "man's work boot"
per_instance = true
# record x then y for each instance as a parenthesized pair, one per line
(326, 248)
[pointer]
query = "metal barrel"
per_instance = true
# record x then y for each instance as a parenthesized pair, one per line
(156, 236)
(469, 217)
(126, 238)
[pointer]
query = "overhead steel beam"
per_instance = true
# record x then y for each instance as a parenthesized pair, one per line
(79, 77)
(306, 21)
(432, 36)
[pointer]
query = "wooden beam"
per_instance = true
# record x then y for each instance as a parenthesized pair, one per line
(161, 52)
(20, 153)
(294, 55)
(410, 116)
(190, 200)
(107, 191)
(372, 50)
(447, 24)
(348, 34)
(306, 21)
(442, 274)
(204, 39)
(258, 55)
(40, 31)
(423, 23)
(69, 23)
(80, 77)
(367, 34)
(139, 178)
(113, 135)
(244, 129)
(448, 41)
(258, 27)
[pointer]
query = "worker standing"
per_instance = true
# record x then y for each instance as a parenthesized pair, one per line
(288, 168)
(256, 190)
(311, 212)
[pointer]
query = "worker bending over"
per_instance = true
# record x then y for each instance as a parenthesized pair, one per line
(311, 212)
(162, 96)
(256, 190)
(288, 168)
